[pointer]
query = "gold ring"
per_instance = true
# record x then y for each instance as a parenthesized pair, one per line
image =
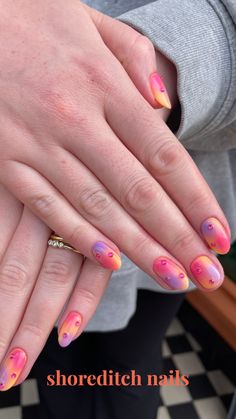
(57, 241)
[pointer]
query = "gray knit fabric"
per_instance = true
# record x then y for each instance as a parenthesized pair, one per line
(199, 36)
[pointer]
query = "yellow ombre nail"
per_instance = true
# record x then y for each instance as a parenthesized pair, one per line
(159, 90)
(11, 368)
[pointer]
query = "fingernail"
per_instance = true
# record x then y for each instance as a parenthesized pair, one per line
(69, 328)
(159, 90)
(172, 274)
(215, 235)
(206, 272)
(11, 368)
(106, 256)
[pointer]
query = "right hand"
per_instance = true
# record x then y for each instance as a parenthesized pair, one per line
(83, 149)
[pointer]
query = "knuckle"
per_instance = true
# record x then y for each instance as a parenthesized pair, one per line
(143, 46)
(43, 205)
(13, 277)
(57, 271)
(198, 199)
(139, 194)
(88, 296)
(95, 202)
(183, 242)
(34, 329)
(165, 157)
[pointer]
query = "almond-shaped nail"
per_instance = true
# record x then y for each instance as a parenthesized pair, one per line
(206, 272)
(106, 256)
(11, 368)
(171, 273)
(215, 235)
(159, 90)
(69, 328)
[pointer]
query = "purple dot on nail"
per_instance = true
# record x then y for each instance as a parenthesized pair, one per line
(211, 281)
(198, 270)
(162, 90)
(65, 335)
(13, 375)
(110, 254)
(98, 255)
(181, 275)
(163, 262)
(167, 278)
(210, 227)
(1, 385)
(77, 324)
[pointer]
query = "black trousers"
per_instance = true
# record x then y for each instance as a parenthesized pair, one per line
(137, 347)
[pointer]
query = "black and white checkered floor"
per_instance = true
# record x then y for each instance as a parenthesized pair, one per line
(190, 346)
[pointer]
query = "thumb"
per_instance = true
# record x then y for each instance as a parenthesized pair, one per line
(137, 55)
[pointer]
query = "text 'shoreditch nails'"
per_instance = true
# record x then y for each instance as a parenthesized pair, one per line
(206, 273)
(159, 90)
(215, 235)
(106, 256)
(11, 368)
(172, 274)
(69, 328)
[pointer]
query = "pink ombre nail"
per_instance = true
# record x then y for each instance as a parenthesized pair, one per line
(11, 368)
(106, 256)
(206, 272)
(215, 235)
(159, 90)
(172, 274)
(69, 328)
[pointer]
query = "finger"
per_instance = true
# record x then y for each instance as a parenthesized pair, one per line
(170, 164)
(54, 285)
(82, 305)
(18, 272)
(52, 208)
(137, 55)
(147, 202)
(10, 214)
(96, 205)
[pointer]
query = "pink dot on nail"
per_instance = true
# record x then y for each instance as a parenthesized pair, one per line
(98, 255)
(13, 375)
(77, 324)
(163, 262)
(213, 244)
(1, 385)
(65, 335)
(211, 281)
(12, 357)
(181, 275)
(198, 270)
(162, 90)
(210, 227)
(167, 278)
(110, 254)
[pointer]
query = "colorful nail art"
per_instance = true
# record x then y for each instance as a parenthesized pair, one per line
(159, 90)
(11, 368)
(69, 328)
(215, 235)
(172, 274)
(206, 272)
(106, 256)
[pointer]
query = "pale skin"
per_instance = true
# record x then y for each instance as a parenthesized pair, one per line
(85, 166)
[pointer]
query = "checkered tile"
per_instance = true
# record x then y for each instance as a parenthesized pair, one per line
(196, 351)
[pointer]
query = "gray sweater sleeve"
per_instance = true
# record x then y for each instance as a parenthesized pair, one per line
(199, 37)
